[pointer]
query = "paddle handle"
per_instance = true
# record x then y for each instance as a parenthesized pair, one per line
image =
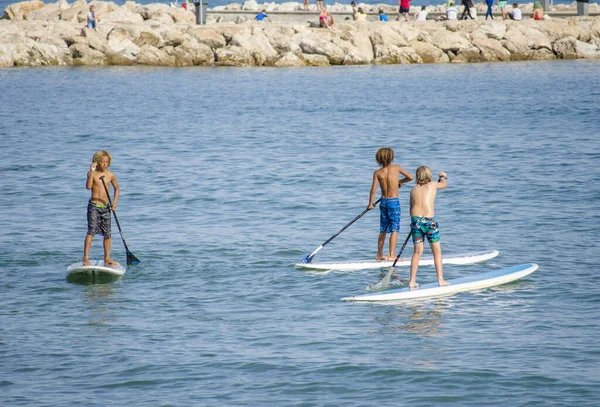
(401, 249)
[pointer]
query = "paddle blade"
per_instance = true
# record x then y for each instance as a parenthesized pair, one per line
(384, 283)
(131, 259)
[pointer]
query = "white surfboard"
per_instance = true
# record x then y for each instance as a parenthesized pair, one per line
(97, 267)
(474, 282)
(465, 258)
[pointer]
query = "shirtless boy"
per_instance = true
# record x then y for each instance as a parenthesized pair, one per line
(388, 178)
(98, 210)
(423, 224)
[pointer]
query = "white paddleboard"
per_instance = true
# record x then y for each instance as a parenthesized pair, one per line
(465, 258)
(475, 282)
(97, 267)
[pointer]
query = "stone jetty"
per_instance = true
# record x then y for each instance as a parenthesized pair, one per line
(35, 34)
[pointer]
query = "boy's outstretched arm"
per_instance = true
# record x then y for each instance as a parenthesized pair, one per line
(407, 176)
(442, 183)
(373, 191)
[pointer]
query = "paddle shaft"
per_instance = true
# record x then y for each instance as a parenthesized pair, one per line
(310, 256)
(130, 257)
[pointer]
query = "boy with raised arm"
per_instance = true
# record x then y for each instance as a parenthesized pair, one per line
(388, 179)
(98, 210)
(423, 224)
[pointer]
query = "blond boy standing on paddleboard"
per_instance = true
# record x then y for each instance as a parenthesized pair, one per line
(423, 224)
(98, 210)
(388, 179)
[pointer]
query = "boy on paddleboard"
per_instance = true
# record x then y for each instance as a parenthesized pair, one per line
(423, 224)
(98, 210)
(388, 178)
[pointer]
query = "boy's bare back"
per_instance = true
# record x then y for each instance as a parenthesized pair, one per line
(422, 197)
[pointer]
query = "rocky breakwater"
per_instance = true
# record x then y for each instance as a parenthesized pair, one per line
(38, 34)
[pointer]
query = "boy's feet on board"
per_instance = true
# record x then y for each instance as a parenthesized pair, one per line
(86, 262)
(443, 283)
(111, 263)
(381, 258)
(413, 284)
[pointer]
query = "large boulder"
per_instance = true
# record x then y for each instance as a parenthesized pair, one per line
(449, 41)
(430, 54)
(201, 54)
(585, 50)
(322, 43)
(121, 44)
(123, 15)
(77, 13)
(181, 15)
(564, 48)
(6, 58)
(288, 60)
(492, 29)
(207, 36)
(153, 56)
(84, 55)
(95, 40)
(233, 56)
(491, 49)
(258, 45)
(391, 54)
(20, 11)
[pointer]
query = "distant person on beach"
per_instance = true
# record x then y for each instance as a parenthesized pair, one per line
(467, 10)
(92, 20)
(502, 5)
(388, 179)
(515, 13)
(305, 5)
(262, 16)
(320, 5)
(421, 15)
(403, 10)
(325, 18)
(423, 224)
(360, 15)
(451, 12)
(98, 209)
(490, 4)
(538, 11)
(354, 10)
(382, 16)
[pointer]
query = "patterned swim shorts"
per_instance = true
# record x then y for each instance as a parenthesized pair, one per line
(421, 226)
(389, 218)
(98, 217)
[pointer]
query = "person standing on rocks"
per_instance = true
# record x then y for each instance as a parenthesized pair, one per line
(467, 10)
(490, 4)
(404, 9)
(92, 20)
(502, 5)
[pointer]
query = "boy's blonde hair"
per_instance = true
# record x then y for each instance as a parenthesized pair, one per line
(384, 156)
(423, 175)
(98, 155)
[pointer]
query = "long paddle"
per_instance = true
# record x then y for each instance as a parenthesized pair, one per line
(131, 259)
(309, 257)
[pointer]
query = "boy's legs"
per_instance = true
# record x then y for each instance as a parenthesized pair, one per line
(393, 240)
(436, 249)
(107, 260)
(414, 264)
(380, 245)
(87, 244)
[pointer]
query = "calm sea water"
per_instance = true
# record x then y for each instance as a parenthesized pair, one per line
(229, 176)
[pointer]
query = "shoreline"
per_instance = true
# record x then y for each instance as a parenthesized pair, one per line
(41, 34)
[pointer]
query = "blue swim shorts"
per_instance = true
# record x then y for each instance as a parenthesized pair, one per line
(389, 218)
(421, 226)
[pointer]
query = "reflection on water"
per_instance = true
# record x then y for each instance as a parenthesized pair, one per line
(100, 300)
(422, 318)
(91, 279)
